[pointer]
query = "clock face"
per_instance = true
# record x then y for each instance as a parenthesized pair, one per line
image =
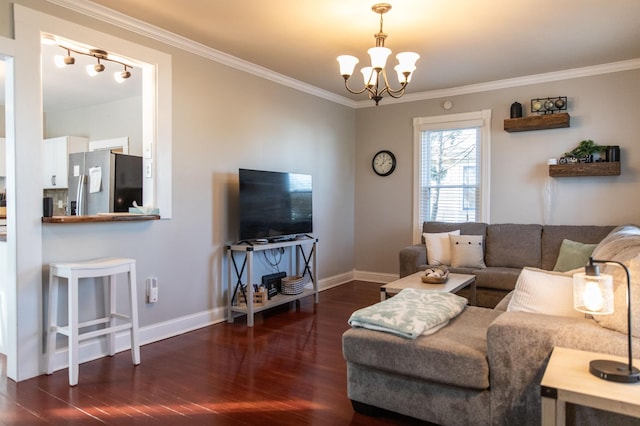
(384, 163)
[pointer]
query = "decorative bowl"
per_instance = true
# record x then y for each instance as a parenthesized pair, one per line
(435, 275)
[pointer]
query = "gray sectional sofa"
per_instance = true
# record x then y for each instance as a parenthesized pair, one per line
(508, 248)
(485, 366)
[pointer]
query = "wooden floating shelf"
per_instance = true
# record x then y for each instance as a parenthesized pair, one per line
(537, 122)
(585, 169)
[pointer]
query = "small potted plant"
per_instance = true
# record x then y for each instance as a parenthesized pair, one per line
(583, 153)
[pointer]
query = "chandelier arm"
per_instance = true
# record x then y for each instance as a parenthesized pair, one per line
(397, 93)
(346, 85)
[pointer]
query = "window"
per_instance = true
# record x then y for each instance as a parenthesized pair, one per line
(452, 169)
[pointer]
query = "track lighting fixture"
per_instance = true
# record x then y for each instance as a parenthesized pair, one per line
(93, 69)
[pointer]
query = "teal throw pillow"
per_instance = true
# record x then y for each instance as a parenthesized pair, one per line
(573, 255)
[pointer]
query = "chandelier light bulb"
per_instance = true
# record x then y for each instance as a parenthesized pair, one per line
(347, 65)
(407, 60)
(369, 75)
(379, 57)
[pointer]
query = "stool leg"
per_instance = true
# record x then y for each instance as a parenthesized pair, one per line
(52, 321)
(73, 330)
(109, 286)
(133, 300)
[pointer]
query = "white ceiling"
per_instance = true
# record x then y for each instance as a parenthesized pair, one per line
(460, 42)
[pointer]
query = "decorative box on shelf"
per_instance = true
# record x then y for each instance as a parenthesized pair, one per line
(259, 298)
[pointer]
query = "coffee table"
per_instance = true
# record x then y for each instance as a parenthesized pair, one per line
(454, 283)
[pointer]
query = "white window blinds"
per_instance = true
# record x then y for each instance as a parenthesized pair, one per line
(452, 162)
(450, 182)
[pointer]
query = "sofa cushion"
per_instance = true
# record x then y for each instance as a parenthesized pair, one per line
(552, 236)
(513, 245)
(456, 355)
(438, 247)
(467, 251)
(466, 228)
(573, 255)
(496, 277)
(544, 292)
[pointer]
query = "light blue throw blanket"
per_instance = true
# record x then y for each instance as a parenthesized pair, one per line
(410, 313)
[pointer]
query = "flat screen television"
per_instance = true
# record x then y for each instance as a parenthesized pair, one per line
(274, 205)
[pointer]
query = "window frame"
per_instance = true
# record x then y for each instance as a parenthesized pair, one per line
(480, 119)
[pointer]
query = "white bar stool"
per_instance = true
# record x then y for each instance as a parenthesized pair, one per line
(108, 269)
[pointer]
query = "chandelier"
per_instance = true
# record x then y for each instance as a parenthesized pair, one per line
(375, 76)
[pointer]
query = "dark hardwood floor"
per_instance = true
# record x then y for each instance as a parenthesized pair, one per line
(287, 370)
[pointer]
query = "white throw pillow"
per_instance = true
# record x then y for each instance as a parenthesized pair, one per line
(438, 247)
(466, 251)
(544, 292)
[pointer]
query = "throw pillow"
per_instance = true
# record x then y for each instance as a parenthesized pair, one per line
(573, 255)
(544, 292)
(438, 248)
(466, 251)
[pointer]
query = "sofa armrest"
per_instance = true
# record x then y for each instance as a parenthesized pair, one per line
(411, 257)
(518, 347)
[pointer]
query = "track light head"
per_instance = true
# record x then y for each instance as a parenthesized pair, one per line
(121, 76)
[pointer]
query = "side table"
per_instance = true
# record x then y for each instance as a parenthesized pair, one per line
(567, 379)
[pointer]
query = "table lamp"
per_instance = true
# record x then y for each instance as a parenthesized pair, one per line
(593, 294)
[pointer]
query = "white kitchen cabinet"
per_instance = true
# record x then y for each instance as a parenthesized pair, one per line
(3, 157)
(56, 159)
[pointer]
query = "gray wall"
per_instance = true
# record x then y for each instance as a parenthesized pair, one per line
(223, 119)
(603, 108)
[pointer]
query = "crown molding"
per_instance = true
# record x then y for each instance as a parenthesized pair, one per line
(511, 82)
(137, 26)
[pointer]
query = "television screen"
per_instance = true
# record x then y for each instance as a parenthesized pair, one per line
(274, 204)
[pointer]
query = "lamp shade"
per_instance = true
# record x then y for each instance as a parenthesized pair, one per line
(379, 57)
(402, 78)
(407, 61)
(593, 294)
(369, 76)
(347, 64)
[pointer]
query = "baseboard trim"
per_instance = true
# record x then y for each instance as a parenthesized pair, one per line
(375, 277)
(97, 348)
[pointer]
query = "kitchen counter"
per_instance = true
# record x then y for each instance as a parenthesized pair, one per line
(106, 217)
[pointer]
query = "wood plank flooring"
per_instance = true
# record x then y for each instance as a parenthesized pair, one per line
(287, 370)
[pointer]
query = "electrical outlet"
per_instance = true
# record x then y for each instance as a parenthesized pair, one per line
(152, 290)
(148, 171)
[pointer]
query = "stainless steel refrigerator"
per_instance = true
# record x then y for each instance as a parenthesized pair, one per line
(104, 182)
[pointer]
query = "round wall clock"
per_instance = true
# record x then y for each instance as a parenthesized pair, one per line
(384, 163)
